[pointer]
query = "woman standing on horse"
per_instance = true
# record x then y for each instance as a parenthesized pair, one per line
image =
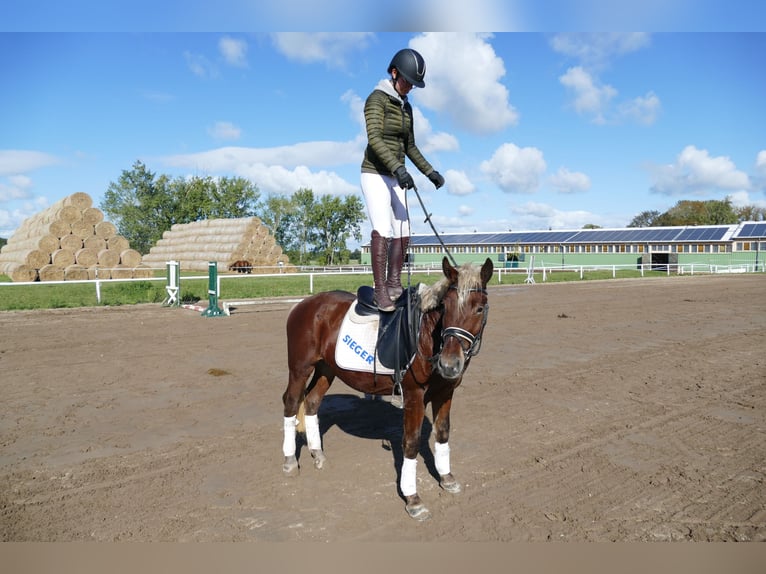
(391, 137)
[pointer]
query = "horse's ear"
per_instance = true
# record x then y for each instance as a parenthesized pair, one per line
(449, 271)
(486, 271)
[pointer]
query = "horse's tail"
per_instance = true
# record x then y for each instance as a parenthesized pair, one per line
(301, 416)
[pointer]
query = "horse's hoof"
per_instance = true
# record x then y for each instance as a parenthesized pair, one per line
(416, 509)
(449, 484)
(319, 459)
(290, 466)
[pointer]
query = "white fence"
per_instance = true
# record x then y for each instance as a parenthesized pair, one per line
(544, 271)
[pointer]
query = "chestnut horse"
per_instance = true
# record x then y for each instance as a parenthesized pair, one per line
(453, 313)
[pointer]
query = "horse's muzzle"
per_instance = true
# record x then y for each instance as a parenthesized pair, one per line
(451, 366)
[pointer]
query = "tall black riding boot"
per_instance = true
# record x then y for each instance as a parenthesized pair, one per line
(379, 252)
(396, 251)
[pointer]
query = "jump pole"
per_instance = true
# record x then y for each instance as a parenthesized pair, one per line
(213, 310)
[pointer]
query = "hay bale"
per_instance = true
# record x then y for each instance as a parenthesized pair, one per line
(86, 257)
(35, 258)
(143, 272)
(78, 199)
(130, 258)
(117, 243)
(108, 258)
(71, 242)
(99, 272)
(94, 242)
(43, 242)
(75, 273)
(105, 229)
(82, 229)
(122, 272)
(59, 228)
(62, 257)
(69, 213)
(92, 215)
(51, 272)
(18, 272)
(222, 240)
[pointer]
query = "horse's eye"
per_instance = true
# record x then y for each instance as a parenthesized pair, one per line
(479, 310)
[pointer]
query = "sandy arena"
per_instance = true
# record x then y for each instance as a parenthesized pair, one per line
(624, 410)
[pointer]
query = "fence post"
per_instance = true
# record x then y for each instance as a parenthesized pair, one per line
(173, 285)
(213, 310)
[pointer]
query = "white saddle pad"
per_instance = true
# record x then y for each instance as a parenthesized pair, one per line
(355, 349)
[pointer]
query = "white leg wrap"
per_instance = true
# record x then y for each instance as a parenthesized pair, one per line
(408, 482)
(312, 432)
(441, 458)
(288, 444)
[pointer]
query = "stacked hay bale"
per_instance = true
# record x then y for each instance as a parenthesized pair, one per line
(224, 241)
(70, 240)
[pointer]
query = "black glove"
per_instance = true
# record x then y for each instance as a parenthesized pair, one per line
(405, 179)
(436, 178)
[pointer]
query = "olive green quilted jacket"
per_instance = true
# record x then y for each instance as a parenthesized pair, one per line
(390, 134)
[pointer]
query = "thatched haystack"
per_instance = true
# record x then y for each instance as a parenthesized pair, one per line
(195, 245)
(59, 242)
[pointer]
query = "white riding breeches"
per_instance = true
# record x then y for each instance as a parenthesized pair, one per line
(386, 205)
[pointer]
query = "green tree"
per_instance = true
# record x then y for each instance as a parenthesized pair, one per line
(140, 206)
(750, 213)
(274, 214)
(688, 212)
(143, 205)
(299, 230)
(645, 219)
(335, 220)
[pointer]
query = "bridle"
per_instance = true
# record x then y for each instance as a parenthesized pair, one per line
(470, 343)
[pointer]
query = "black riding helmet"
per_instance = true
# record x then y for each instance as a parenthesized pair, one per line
(411, 65)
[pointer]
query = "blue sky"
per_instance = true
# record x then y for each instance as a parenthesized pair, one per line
(532, 130)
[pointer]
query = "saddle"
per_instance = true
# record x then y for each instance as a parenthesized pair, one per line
(398, 330)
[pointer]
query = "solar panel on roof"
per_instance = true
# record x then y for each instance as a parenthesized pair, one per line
(752, 230)
(702, 234)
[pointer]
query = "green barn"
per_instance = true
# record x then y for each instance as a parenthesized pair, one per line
(675, 249)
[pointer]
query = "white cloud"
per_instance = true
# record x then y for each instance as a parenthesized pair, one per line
(427, 140)
(281, 170)
(225, 131)
(590, 98)
(760, 162)
(534, 216)
(593, 97)
(200, 66)
(329, 47)
(597, 50)
(16, 162)
(18, 187)
(566, 181)
(465, 210)
(697, 173)
(742, 199)
(457, 183)
(643, 110)
(462, 79)
(234, 51)
(515, 169)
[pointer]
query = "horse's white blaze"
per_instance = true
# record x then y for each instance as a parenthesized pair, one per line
(288, 444)
(312, 432)
(408, 481)
(441, 458)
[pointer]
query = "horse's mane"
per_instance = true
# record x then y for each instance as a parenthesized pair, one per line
(468, 278)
